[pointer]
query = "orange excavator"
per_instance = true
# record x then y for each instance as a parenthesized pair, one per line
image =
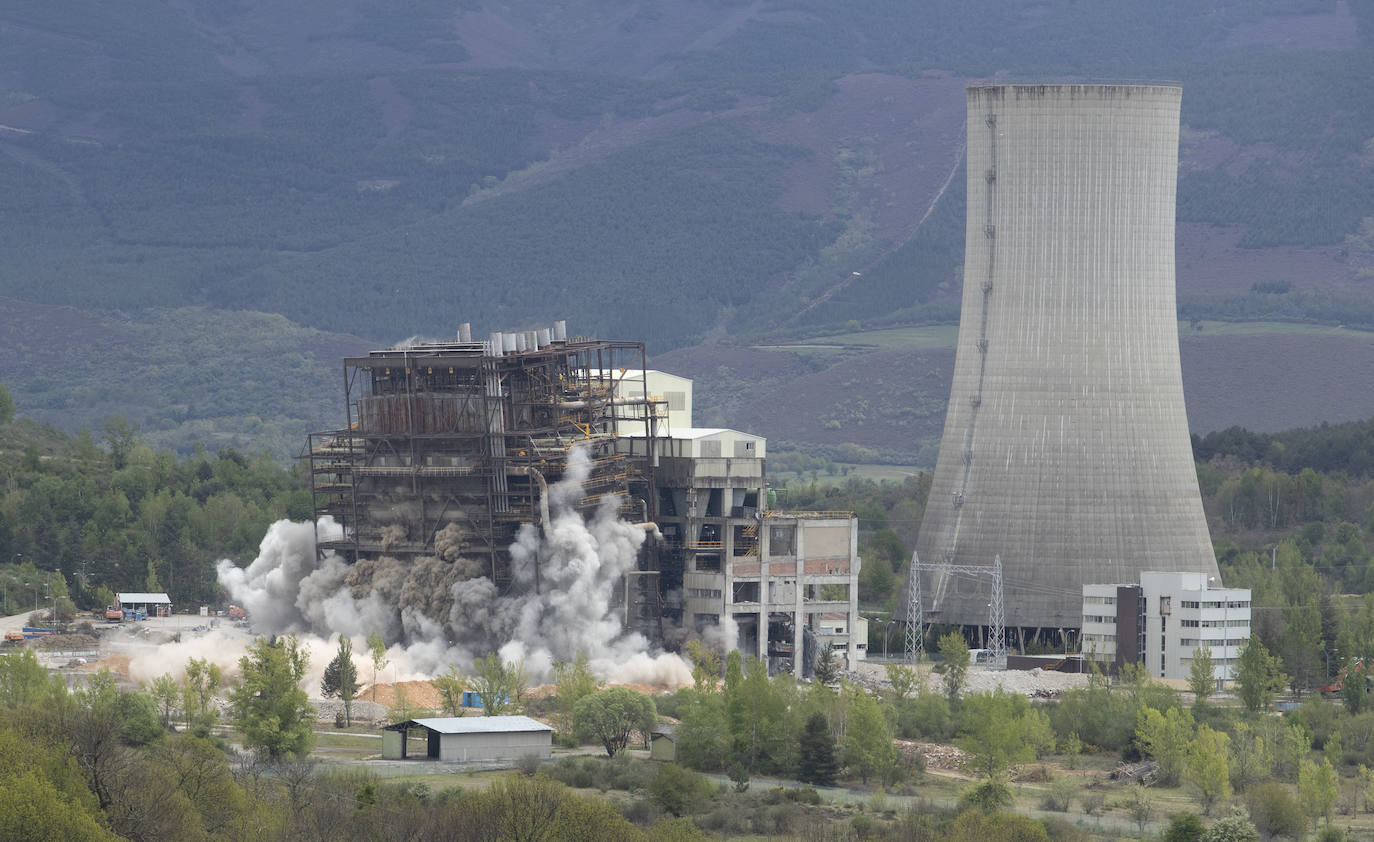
(1336, 687)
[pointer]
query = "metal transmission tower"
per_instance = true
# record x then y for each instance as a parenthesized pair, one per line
(997, 614)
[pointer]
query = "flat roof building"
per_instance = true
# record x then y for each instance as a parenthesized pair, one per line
(1163, 621)
(473, 739)
(152, 604)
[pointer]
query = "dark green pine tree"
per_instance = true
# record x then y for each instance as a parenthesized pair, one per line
(341, 678)
(816, 764)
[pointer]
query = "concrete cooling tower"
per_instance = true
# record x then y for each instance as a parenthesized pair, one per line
(1066, 448)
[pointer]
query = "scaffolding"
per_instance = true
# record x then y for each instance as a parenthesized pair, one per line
(447, 445)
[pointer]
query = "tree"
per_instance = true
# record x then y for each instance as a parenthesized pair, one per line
(954, 664)
(572, 682)
(1354, 692)
(1252, 757)
(376, 647)
(1202, 674)
(1206, 769)
(1165, 737)
(1259, 675)
(610, 716)
(165, 692)
(826, 668)
(868, 747)
(121, 436)
(904, 681)
(500, 685)
(6, 406)
(450, 686)
(703, 740)
(706, 666)
(761, 729)
(198, 691)
(269, 706)
(998, 731)
(816, 756)
(341, 678)
(1318, 788)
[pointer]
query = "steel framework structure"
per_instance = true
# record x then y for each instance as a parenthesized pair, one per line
(458, 437)
(997, 615)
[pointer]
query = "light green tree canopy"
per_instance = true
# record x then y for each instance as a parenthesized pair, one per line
(999, 730)
(612, 715)
(1165, 738)
(868, 748)
(1206, 769)
(376, 647)
(500, 684)
(1201, 675)
(954, 664)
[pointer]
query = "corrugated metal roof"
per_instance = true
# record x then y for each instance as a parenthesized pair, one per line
(140, 598)
(477, 724)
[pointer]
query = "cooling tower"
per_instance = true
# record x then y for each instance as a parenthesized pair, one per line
(1066, 447)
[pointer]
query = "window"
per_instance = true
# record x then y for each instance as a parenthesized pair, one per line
(782, 540)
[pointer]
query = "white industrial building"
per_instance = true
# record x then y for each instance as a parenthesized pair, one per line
(1162, 621)
(148, 604)
(787, 582)
(473, 739)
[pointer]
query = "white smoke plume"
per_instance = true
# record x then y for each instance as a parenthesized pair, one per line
(445, 610)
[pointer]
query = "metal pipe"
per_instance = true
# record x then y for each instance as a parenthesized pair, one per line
(560, 331)
(465, 332)
(543, 336)
(496, 343)
(543, 498)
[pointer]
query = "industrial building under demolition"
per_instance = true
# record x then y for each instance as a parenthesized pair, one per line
(449, 447)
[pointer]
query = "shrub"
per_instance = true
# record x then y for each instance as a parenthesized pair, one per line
(989, 796)
(1231, 829)
(1059, 796)
(1275, 812)
(678, 790)
(1183, 827)
(863, 827)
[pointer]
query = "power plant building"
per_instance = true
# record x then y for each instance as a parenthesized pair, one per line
(450, 446)
(1066, 448)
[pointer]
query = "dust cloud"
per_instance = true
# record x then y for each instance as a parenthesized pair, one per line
(445, 610)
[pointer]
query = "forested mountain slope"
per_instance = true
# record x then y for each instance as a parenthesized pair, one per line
(676, 171)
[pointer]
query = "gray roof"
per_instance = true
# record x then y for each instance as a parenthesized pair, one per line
(144, 598)
(475, 724)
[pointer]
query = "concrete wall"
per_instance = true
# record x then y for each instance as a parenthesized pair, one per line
(1065, 449)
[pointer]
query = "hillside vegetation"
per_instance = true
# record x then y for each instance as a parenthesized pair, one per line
(709, 170)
